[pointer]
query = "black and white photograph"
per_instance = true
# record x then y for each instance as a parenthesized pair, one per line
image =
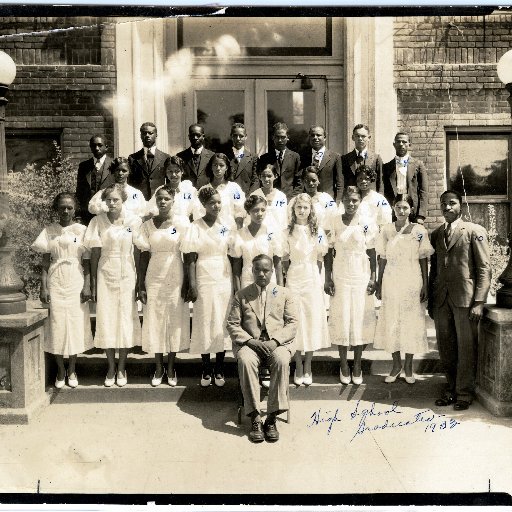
(255, 252)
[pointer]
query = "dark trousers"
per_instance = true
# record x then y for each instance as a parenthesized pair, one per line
(457, 340)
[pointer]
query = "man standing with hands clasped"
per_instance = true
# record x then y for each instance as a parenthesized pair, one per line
(460, 277)
(262, 325)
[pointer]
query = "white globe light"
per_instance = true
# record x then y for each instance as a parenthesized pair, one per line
(7, 69)
(505, 68)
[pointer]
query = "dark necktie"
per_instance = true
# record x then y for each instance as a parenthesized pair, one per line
(196, 157)
(149, 159)
(448, 234)
(95, 174)
(359, 159)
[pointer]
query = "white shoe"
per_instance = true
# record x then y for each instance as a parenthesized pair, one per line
(391, 378)
(122, 381)
(220, 381)
(298, 381)
(357, 380)
(265, 383)
(59, 384)
(156, 381)
(110, 382)
(411, 379)
(308, 379)
(343, 379)
(205, 382)
(73, 383)
(172, 381)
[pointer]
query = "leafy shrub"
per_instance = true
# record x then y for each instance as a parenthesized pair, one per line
(31, 193)
(498, 253)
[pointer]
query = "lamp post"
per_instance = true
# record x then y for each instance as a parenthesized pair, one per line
(504, 294)
(12, 300)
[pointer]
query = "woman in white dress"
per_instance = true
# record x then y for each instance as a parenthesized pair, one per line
(256, 238)
(185, 194)
(114, 260)
(135, 202)
(323, 204)
(402, 286)
(304, 249)
(350, 280)
(162, 286)
(205, 248)
(277, 203)
(65, 287)
(374, 206)
(218, 171)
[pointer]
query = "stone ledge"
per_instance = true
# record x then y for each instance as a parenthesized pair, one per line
(500, 315)
(22, 321)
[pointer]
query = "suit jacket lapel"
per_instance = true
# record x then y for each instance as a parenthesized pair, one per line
(392, 176)
(253, 297)
(241, 164)
(352, 159)
(325, 159)
(159, 159)
(105, 171)
(411, 169)
(90, 170)
(142, 161)
(456, 235)
(190, 161)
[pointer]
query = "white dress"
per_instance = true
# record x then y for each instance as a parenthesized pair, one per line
(135, 203)
(232, 199)
(184, 205)
(325, 209)
(117, 320)
(352, 316)
(166, 324)
(277, 205)
(267, 241)
(375, 209)
(214, 285)
(401, 323)
(304, 281)
(70, 325)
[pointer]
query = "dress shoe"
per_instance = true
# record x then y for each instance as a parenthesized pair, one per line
(59, 384)
(156, 381)
(206, 380)
(444, 401)
(172, 381)
(391, 378)
(411, 379)
(307, 379)
(265, 379)
(271, 432)
(357, 380)
(298, 381)
(343, 379)
(73, 380)
(110, 382)
(219, 380)
(122, 380)
(256, 434)
(461, 405)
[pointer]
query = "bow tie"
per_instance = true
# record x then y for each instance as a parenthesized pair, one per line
(401, 161)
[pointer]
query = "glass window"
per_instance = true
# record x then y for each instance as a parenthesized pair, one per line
(478, 163)
(30, 147)
(217, 111)
(295, 108)
(251, 36)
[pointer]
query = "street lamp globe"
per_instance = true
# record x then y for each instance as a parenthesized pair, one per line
(7, 69)
(505, 68)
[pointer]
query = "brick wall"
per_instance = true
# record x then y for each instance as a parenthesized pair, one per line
(445, 76)
(65, 77)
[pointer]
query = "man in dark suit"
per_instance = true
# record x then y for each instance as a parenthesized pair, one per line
(285, 161)
(328, 163)
(262, 325)
(196, 157)
(406, 175)
(460, 277)
(360, 156)
(148, 164)
(93, 175)
(243, 162)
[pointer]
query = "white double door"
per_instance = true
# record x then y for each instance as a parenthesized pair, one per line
(258, 103)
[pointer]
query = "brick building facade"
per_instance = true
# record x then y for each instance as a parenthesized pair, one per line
(442, 70)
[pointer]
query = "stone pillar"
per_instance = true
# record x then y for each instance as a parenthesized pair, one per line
(22, 374)
(494, 388)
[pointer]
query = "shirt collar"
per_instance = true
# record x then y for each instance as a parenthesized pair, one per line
(363, 153)
(238, 152)
(152, 149)
(277, 151)
(455, 223)
(100, 160)
(402, 160)
(321, 150)
(196, 151)
(261, 289)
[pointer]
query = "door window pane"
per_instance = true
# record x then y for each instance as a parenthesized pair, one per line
(216, 112)
(295, 108)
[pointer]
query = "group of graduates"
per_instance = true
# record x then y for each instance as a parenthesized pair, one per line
(341, 232)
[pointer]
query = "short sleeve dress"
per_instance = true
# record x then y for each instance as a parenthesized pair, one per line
(267, 241)
(304, 281)
(352, 316)
(375, 209)
(277, 205)
(401, 322)
(135, 203)
(117, 319)
(166, 324)
(325, 209)
(70, 325)
(214, 285)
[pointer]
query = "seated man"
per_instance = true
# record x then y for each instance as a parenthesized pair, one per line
(262, 325)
